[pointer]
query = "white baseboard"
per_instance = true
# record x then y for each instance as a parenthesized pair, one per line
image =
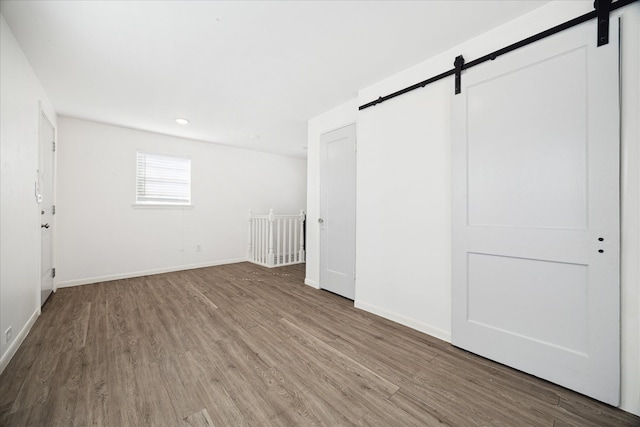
(311, 283)
(406, 321)
(13, 347)
(89, 280)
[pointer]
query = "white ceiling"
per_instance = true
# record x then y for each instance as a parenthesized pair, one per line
(236, 69)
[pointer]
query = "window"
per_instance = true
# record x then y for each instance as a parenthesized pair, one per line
(163, 180)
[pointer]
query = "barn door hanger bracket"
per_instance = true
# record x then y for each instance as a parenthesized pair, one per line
(458, 64)
(602, 8)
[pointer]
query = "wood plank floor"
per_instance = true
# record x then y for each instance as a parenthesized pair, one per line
(244, 345)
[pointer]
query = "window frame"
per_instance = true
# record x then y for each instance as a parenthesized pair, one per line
(168, 204)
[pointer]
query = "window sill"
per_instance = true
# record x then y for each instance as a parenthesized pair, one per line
(160, 206)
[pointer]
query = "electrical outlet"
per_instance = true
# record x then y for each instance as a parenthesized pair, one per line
(8, 334)
(198, 248)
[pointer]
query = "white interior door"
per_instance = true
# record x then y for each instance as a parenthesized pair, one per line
(45, 205)
(337, 220)
(536, 212)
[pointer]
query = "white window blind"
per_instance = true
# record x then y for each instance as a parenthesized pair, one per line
(163, 179)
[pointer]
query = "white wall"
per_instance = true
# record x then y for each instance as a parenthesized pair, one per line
(20, 98)
(403, 230)
(403, 190)
(101, 236)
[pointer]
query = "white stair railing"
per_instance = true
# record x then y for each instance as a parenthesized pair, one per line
(276, 240)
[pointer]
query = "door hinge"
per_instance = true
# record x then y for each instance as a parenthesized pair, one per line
(354, 275)
(53, 145)
(53, 210)
(53, 272)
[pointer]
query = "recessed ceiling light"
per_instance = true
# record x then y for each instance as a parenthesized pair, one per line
(182, 121)
(254, 136)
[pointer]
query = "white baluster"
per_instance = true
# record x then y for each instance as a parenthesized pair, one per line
(284, 241)
(301, 246)
(290, 246)
(249, 249)
(261, 238)
(258, 226)
(278, 243)
(265, 241)
(294, 253)
(270, 259)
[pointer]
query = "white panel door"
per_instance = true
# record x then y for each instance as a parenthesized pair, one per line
(536, 211)
(45, 200)
(337, 220)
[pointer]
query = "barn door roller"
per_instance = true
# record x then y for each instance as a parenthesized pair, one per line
(458, 63)
(602, 9)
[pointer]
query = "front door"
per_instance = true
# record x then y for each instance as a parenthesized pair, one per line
(45, 205)
(337, 220)
(536, 211)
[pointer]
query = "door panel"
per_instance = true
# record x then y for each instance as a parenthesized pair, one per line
(494, 303)
(544, 182)
(535, 212)
(337, 210)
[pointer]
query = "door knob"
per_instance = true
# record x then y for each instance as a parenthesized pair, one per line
(320, 221)
(45, 225)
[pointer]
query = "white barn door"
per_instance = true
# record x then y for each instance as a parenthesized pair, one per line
(536, 211)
